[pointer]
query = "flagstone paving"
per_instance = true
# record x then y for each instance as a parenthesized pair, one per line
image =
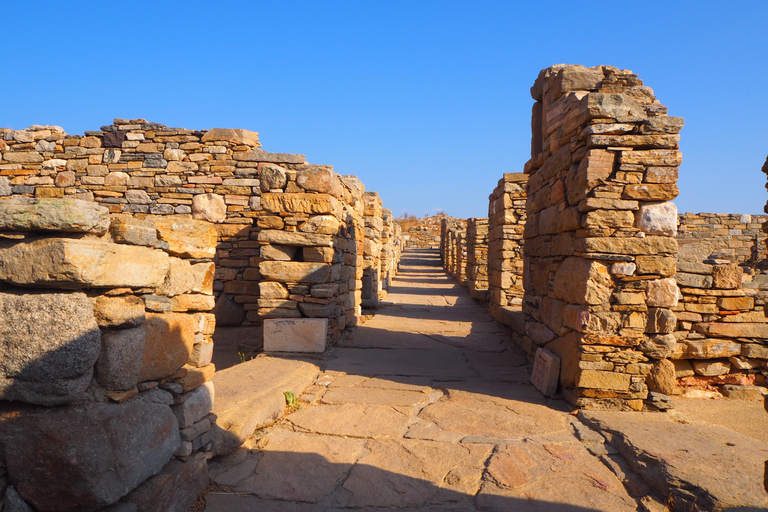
(427, 406)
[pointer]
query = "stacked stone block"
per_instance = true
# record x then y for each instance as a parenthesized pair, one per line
(477, 257)
(374, 225)
(106, 346)
(599, 236)
(506, 219)
(454, 248)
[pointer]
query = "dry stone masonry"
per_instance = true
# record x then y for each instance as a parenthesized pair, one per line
(391, 249)
(106, 344)
(374, 224)
(477, 258)
(506, 219)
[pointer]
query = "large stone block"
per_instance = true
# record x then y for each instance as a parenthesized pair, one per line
(209, 207)
(194, 405)
(169, 341)
(293, 238)
(80, 458)
(595, 379)
(295, 271)
(233, 135)
(657, 218)
(121, 311)
(320, 180)
(121, 357)
(70, 263)
(49, 343)
(187, 238)
(295, 334)
(22, 213)
(175, 488)
(546, 372)
(313, 204)
(583, 281)
(595, 168)
(729, 330)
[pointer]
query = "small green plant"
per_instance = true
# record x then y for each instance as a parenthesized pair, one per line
(242, 356)
(291, 401)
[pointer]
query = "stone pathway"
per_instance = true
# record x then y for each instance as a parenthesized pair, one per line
(426, 406)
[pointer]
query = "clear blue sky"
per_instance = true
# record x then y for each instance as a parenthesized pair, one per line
(426, 101)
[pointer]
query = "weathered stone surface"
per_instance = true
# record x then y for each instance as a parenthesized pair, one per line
(658, 265)
(583, 281)
(175, 488)
(546, 372)
(88, 455)
(321, 224)
(320, 180)
(294, 238)
(209, 207)
(233, 135)
(354, 420)
(12, 502)
(649, 245)
(710, 348)
(754, 350)
(294, 271)
(735, 303)
(72, 263)
(187, 238)
(289, 456)
(180, 279)
(169, 341)
(657, 218)
(121, 311)
(595, 168)
(49, 343)
(481, 414)
(660, 321)
(272, 177)
(596, 379)
(228, 312)
(313, 204)
(662, 377)
(711, 368)
(250, 395)
(419, 469)
(295, 334)
(131, 230)
(121, 357)
(693, 280)
(733, 330)
(726, 277)
(70, 215)
(701, 466)
(551, 476)
(194, 405)
(662, 293)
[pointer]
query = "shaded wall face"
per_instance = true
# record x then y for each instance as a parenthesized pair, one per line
(506, 222)
(477, 258)
(599, 235)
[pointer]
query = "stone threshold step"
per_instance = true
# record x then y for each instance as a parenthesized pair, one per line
(250, 395)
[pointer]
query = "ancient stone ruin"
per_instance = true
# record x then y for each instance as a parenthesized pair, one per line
(589, 260)
(120, 251)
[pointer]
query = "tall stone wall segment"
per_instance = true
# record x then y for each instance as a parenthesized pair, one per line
(506, 223)
(477, 258)
(599, 236)
(106, 346)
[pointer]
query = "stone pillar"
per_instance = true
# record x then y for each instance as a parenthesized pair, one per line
(599, 237)
(372, 254)
(506, 219)
(477, 258)
(388, 239)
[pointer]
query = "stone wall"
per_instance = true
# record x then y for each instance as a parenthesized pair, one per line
(454, 248)
(506, 219)
(290, 233)
(477, 258)
(106, 346)
(737, 238)
(391, 249)
(599, 237)
(374, 224)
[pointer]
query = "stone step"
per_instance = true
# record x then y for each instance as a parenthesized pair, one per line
(250, 395)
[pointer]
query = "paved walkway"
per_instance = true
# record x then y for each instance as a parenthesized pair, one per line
(426, 406)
